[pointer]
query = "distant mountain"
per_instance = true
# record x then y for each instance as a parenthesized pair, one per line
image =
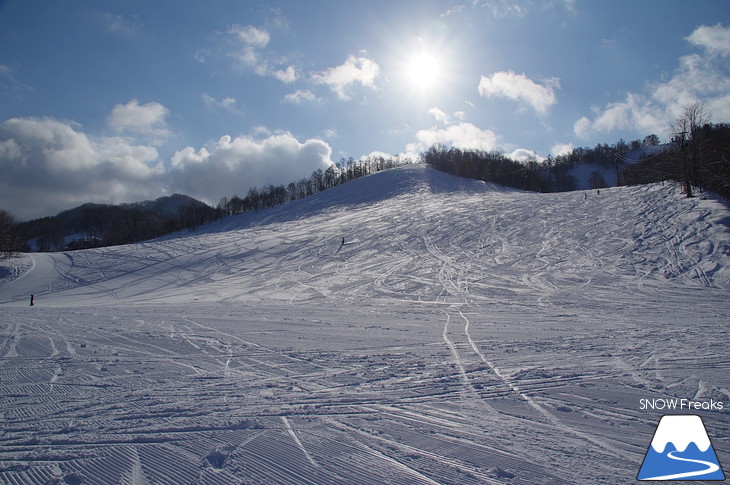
(170, 205)
(95, 225)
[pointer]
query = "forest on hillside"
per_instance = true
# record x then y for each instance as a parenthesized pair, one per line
(344, 171)
(98, 225)
(700, 160)
(698, 156)
(553, 174)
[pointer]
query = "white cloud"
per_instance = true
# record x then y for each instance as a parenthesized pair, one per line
(524, 155)
(569, 5)
(250, 43)
(636, 112)
(699, 77)
(227, 104)
(119, 24)
(561, 149)
(375, 155)
(356, 69)
(445, 118)
(50, 165)
(500, 9)
(463, 135)
(9, 84)
(287, 76)
(457, 9)
(300, 96)
(146, 119)
(202, 55)
(232, 165)
(439, 115)
(582, 127)
(250, 35)
(519, 87)
(715, 39)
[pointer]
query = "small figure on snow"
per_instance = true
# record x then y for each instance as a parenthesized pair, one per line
(343, 241)
(31, 300)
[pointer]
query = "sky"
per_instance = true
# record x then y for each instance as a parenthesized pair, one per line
(113, 101)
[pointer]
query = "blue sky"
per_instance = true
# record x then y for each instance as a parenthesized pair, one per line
(112, 101)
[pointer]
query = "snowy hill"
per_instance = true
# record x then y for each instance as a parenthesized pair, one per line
(534, 243)
(464, 333)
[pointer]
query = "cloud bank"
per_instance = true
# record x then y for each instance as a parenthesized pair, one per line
(463, 135)
(50, 165)
(699, 77)
(233, 165)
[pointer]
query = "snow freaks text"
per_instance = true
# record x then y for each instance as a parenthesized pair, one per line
(678, 404)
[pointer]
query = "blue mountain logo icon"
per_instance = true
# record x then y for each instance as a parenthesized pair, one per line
(680, 450)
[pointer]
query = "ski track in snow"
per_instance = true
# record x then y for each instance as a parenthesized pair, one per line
(465, 333)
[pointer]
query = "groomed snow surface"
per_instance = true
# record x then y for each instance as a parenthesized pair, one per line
(465, 333)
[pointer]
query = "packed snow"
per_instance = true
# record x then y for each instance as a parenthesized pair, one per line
(464, 333)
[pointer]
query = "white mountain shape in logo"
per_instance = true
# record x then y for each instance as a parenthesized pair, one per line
(680, 461)
(680, 430)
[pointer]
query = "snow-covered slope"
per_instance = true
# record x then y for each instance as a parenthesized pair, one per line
(409, 223)
(464, 333)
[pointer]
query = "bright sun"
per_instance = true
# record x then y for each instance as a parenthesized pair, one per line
(423, 71)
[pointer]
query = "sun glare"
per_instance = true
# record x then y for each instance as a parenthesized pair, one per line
(423, 71)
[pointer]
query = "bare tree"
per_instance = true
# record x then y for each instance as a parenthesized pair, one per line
(694, 116)
(687, 130)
